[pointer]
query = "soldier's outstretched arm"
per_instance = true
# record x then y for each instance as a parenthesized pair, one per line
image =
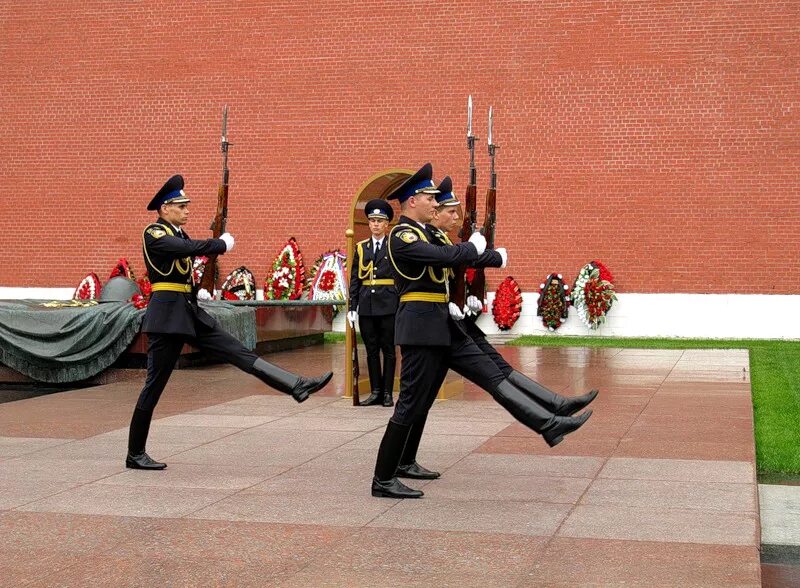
(489, 258)
(406, 245)
(164, 244)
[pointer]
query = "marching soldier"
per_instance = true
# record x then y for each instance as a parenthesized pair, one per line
(431, 341)
(173, 318)
(445, 219)
(421, 323)
(469, 340)
(373, 302)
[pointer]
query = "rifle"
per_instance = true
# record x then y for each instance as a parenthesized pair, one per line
(478, 286)
(354, 363)
(217, 227)
(470, 222)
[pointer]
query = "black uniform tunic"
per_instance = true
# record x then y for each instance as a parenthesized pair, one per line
(173, 316)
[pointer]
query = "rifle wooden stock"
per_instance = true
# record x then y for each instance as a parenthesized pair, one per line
(468, 225)
(478, 286)
(354, 364)
(208, 280)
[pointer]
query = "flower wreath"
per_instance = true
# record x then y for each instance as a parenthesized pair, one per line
(88, 288)
(593, 294)
(285, 282)
(507, 304)
(554, 300)
(239, 285)
(327, 278)
(141, 300)
(198, 268)
(122, 269)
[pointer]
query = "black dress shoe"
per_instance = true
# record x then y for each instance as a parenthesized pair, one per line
(307, 386)
(393, 488)
(143, 461)
(416, 472)
(374, 399)
(387, 399)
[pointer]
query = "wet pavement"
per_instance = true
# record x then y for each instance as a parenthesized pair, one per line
(261, 491)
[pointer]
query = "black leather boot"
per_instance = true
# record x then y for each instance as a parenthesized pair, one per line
(137, 439)
(298, 386)
(387, 398)
(375, 398)
(385, 483)
(409, 468)
(533, 415)
(555, 403)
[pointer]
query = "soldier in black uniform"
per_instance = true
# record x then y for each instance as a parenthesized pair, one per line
(173, 318)
(445, 219)
(431, 341)
(373, 302)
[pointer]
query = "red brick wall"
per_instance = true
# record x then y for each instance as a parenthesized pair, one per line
(658, 137)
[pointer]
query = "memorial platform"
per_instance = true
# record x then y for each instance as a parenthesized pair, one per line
(658, 489)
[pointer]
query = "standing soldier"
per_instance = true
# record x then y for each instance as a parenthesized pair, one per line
(174, 318)
(373, 302)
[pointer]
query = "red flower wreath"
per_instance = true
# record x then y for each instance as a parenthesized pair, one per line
(88, 289)
(287, 278)
(554, 301)
(507, 304)
(122, 269)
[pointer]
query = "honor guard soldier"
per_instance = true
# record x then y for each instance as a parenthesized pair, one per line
(373, 302)
(421, 330)
(431, 340)
(531, 403)
(173, 318)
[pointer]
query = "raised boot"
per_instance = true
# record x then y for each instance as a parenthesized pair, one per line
(555, 403)
(385, 483)
(551, 427)
(298, 386)
(137, 458)
(375, 398)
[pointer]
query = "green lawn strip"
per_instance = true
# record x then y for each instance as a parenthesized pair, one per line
(774, 378)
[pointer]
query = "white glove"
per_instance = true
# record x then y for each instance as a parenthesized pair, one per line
(473, 305)
(503, 255)
(479, 241)
(455, 312)
(352, 317)
(203, 294)
(228, 238)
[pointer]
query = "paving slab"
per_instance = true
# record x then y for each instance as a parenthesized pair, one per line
(263, 491)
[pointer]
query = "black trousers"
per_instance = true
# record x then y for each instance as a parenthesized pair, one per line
(493, 354)
(423, 369)
(466, 358)
(378, 335)
(163, 351)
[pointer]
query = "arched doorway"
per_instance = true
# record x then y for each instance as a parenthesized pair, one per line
(378, 186)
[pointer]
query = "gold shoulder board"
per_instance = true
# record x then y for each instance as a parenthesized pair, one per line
(408, 236)
(156, 232)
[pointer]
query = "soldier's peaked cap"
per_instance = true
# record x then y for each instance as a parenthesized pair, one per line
(170, 193)
(422, 181)
(378, 208)
(446, 196)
